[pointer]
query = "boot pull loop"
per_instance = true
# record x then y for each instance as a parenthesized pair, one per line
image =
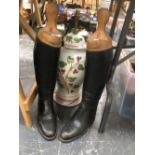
(100, 40)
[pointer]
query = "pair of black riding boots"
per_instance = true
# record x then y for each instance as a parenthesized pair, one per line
(45, 62)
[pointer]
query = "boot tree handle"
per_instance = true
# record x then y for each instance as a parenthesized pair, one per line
(51, 14)
(102, 18)
(49, 34)
(100, 40)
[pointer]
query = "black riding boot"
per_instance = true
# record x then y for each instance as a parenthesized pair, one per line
(45, 63)
(97, 67)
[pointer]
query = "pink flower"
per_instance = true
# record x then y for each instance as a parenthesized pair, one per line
(75, 71)
(78, 58)
(62, 71)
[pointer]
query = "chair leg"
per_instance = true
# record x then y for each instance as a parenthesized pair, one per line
(106, 112)
(25, 113)
(37, 12)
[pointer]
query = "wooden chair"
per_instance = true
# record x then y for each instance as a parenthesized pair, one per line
(25, 102)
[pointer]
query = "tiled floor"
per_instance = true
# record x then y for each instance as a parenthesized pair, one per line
(118, 139)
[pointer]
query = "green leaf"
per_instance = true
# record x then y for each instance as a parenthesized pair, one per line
(70, 59)
(62, 64)
(80, 67)
(77, 40)
(71, 79)
(68, 38)
(75, 30)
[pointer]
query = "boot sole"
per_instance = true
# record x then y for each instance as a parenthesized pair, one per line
(72, 139)
(46, 137)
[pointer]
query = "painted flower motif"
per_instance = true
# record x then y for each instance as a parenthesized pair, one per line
(78, 58)
(62, 71)
(70, 60)
(75, 71)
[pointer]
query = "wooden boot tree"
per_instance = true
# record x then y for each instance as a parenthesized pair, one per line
(49, 34)
(100, 40)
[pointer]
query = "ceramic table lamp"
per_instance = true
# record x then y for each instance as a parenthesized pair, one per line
(71, 67)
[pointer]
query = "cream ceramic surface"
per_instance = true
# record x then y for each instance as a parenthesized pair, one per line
(70, 76)
(74, 40)
(71, 69)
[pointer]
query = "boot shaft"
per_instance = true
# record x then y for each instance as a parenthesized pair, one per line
(45, 64)
(96, 73)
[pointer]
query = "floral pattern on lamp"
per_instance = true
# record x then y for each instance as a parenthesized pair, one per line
(71, 69)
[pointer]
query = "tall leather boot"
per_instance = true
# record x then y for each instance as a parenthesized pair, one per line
(46, 55)
(98, 59)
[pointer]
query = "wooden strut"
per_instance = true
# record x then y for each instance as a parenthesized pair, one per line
(27, 28)
(37, 12)
(25, 102)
